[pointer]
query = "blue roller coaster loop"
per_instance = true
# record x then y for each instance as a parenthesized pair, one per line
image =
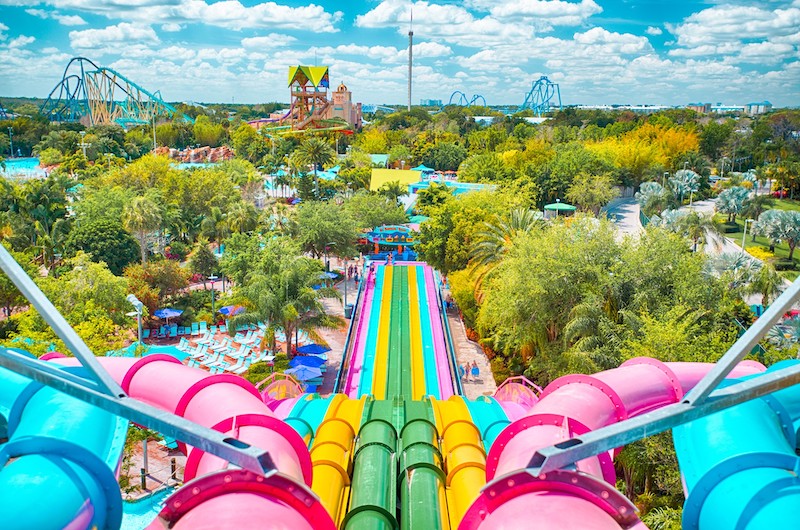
(540, 96)
(462, 100)
(91, 91)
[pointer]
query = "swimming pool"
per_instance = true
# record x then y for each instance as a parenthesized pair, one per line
(152, 349)
(138, 515)
(22, 167)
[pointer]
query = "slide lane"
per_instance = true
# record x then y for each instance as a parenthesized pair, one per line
(403, 360)
(428, 348)
(381, 364)
(394, 347)
(365, 385)
(415, 332)
(440, 348)
(357, 361)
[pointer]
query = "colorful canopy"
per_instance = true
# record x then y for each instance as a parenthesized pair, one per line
(313, 349)
(311, 361)
(230, 310)
(560, 206)
(304, 373)
(167, 312)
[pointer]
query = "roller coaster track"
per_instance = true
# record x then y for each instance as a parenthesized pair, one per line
(101, 95)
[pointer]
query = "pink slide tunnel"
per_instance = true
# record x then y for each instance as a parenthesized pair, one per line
(215, 496)
(571, 406)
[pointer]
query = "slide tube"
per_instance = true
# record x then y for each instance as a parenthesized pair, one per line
(332, 454)
(464, 456)
(373, 497)
(307, 414)
(421, 479)
(57, 469)
(568, 407)
(739, 465)
(214, 496)
(489, 417)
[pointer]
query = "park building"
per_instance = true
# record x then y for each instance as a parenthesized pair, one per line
(761, 107)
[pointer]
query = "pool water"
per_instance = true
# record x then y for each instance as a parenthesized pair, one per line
(26, 167)
(138, 515)
(152, 349)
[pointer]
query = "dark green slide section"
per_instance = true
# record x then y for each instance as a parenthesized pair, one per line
(399, 358)
(373, 496)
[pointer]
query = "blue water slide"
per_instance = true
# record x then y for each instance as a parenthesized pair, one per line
(57, 469)
(489, 417)
(365, 382)
(428, 352)
(307, 414)
(739, 466)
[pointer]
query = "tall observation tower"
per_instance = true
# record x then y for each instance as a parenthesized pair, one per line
(410, 56)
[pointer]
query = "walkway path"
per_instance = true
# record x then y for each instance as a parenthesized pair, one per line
(625, 214)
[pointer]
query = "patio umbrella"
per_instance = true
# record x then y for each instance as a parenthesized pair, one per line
(328, 275)
(311, 362)
(304, 373)
(313, 349)
(167, 313)
(230, 310)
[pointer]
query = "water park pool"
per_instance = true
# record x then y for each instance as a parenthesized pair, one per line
(139, 514)
(151, 350)
(22, 167)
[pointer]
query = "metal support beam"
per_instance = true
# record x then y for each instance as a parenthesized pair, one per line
(64, 331)
(743, 346)
(219, 444)
(620, 434)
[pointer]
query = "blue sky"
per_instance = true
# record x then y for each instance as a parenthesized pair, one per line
(599, 51)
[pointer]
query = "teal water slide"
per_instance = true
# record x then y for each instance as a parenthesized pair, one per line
(57, 469)
(739, 466)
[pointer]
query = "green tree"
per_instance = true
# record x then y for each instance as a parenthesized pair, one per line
(10, 297)
(484, 167)
(732, 202)
(432, 196)
(444, 156)
(713, 138)
(106, 241)
(780, 225)
(766, 282)
(203, 261)
(322, 225)
(316, 152)
(591, 192)
(142, 216)
(207, 133)
(369, 210)
(393, 190)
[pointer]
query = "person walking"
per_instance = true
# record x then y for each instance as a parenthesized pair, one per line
(475, 371)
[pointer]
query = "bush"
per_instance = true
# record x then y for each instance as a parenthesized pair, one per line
(728, 228)
(784, 265)
(760, 253)
(178, 250)
(500, 370)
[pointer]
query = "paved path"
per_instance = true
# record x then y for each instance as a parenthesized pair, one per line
(335, 337)
(625, 213)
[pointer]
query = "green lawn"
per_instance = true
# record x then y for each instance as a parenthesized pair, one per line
(786, 204)
(781, 250)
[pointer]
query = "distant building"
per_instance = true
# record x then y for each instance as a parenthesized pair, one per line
(719, 108)
(701, 108)
(430, 102)
(343, 107)
(762, 107)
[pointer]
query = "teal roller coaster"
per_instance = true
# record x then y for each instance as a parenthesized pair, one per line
(97, 95)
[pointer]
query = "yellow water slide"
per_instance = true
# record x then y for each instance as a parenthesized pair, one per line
(463, 453)
(332, 454)
(381, 369)
(418, 389)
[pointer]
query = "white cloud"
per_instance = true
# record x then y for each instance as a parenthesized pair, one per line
(171, 27)
(728, 23)
(121, 34)
(652, 30)
(20, 42)
(273, 40)
(555, 12)
(64, 20)
(3, 29)
(230, 14)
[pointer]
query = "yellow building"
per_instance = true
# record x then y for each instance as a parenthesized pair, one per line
(403, 176)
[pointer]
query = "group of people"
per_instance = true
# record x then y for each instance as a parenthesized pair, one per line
(352, 273)
(469, 372)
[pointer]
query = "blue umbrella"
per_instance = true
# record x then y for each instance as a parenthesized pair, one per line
(167, 312)
(328, 275)
(230, 310)
(312, 362)
(304, 373)
(313, 349)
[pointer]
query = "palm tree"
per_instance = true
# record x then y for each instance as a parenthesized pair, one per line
(757, 205)
(284, 297)
(215, 226)
(732, 201)
(142, 216)
(498, 238)
(242, 218)
(685, 181)
(393, 190)
(315, 152)
(50, 243)
(700, 229)
(766, 282)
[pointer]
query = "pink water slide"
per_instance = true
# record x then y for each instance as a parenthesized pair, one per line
(439, 347)
(571, 406)
(215, 496)
(360, 340)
